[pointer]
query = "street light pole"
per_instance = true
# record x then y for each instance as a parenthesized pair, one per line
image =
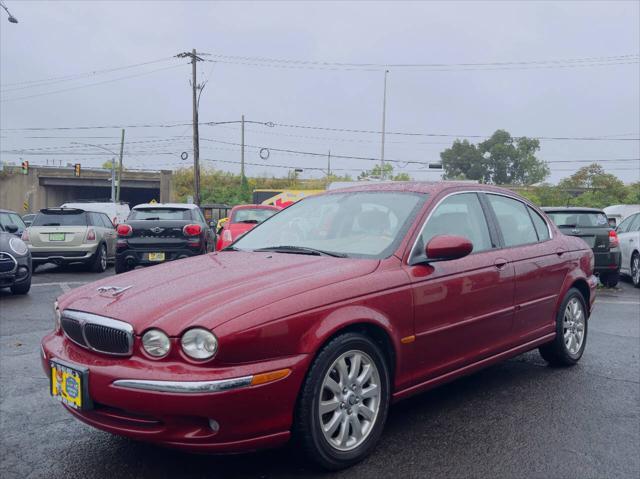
(11, 18)
(384, 115)
(113, 166)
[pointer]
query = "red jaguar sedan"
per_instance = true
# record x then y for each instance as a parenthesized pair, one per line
(330, 311)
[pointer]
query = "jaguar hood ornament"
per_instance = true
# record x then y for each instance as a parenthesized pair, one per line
(113, 291)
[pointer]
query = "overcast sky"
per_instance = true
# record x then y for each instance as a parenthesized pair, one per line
(66, 41)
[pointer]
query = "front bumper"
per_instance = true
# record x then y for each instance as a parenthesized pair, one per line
(20, 272)
(174, 403)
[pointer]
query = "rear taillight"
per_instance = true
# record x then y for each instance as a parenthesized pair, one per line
(192, 230)
(613, 239)
(226, 236)
(91, 235)
(25, 235)
(124, 230)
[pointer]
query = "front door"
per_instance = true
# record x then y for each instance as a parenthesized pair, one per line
(463, 308)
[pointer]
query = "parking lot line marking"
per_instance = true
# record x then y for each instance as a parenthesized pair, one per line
(617, 302)
(67, 283)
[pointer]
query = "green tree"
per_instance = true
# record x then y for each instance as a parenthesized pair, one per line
(376, 172)
(500, 160)
(592, 186)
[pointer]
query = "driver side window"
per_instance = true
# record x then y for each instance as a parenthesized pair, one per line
(459, 215)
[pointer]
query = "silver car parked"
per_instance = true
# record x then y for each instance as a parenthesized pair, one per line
(629, 236)
(71, 235)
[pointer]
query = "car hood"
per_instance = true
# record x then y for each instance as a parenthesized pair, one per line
(212, 289)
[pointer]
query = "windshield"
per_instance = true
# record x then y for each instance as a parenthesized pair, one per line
(160, 214)
(254, 215)
(360, 224)
(71, 218)
(7, 219)
(579, 219)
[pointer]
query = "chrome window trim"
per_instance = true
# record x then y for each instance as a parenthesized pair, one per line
(424, 224)
(186, 387)
(88, 318)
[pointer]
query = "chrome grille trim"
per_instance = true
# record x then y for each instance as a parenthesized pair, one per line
(118, 333)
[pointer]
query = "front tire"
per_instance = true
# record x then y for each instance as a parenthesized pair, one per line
(121, 266)
(571, 332)
(344, 402)
(22, 288)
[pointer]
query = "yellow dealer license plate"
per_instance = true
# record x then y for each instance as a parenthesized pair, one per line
(156, 256)
(69, 384)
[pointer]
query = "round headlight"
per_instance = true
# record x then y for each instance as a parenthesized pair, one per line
(56, 316)
(156, 343)
(199, 343)
(18, 246)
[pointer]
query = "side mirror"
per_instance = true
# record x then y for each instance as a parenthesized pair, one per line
(447, 247)
(11, 228)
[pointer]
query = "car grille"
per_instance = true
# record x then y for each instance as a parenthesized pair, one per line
(100, 334)
(7, 263)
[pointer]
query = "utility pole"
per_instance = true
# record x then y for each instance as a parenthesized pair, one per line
(113, 179)
(120, 167)
(242, 178)
(328, 166)
(196, 137)
(384, 115)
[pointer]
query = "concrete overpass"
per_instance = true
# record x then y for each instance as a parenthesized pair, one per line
(46, 187)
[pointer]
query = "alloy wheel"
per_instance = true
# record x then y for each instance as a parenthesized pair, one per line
(349, 400)
(103, 258)
(635, 270)
(573, 326)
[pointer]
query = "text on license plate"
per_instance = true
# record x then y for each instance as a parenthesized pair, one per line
(68, 385)
(156, 256)
(56, 236)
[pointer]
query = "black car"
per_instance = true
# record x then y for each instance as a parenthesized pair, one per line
(592, 226)
(15, 264)
(156, 233)
(11, 222)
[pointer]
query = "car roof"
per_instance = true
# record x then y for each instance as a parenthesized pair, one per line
(7, 211)
(188, 206)
(574, 209)
(254, 207)
(429, 187)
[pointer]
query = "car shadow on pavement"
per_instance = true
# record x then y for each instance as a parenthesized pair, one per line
(422, 426)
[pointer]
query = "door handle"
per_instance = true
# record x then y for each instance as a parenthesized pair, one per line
(500, 263)
(560, 251)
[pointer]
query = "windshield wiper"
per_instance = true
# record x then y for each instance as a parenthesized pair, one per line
(152, 218)
(230, 248)
(51, 224)
(301, 250)
(248, 221)
(566, 226)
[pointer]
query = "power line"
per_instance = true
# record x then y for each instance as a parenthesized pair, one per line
(4, 100)
(52, 80)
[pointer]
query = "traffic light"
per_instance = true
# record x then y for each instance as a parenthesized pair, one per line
(25, 167)
(76, 169)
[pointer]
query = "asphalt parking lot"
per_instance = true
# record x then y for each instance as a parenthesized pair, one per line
(517, 419)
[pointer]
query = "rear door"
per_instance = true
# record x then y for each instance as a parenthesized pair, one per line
(58, 228)
(541, 264)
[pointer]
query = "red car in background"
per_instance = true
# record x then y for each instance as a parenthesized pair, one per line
(339, 305)
(242, 219)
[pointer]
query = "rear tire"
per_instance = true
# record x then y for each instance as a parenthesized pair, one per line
(571, 332)
(635, 269)
(610, 280)
(99, 262)
(21, 288)
(343, 402)
(121, 266)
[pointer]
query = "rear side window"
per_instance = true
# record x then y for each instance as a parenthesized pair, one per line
(67, 218)
(540, 225)
(160, 214)
(635, 224)
(459, 215)
(106, 222)
(514, 221)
